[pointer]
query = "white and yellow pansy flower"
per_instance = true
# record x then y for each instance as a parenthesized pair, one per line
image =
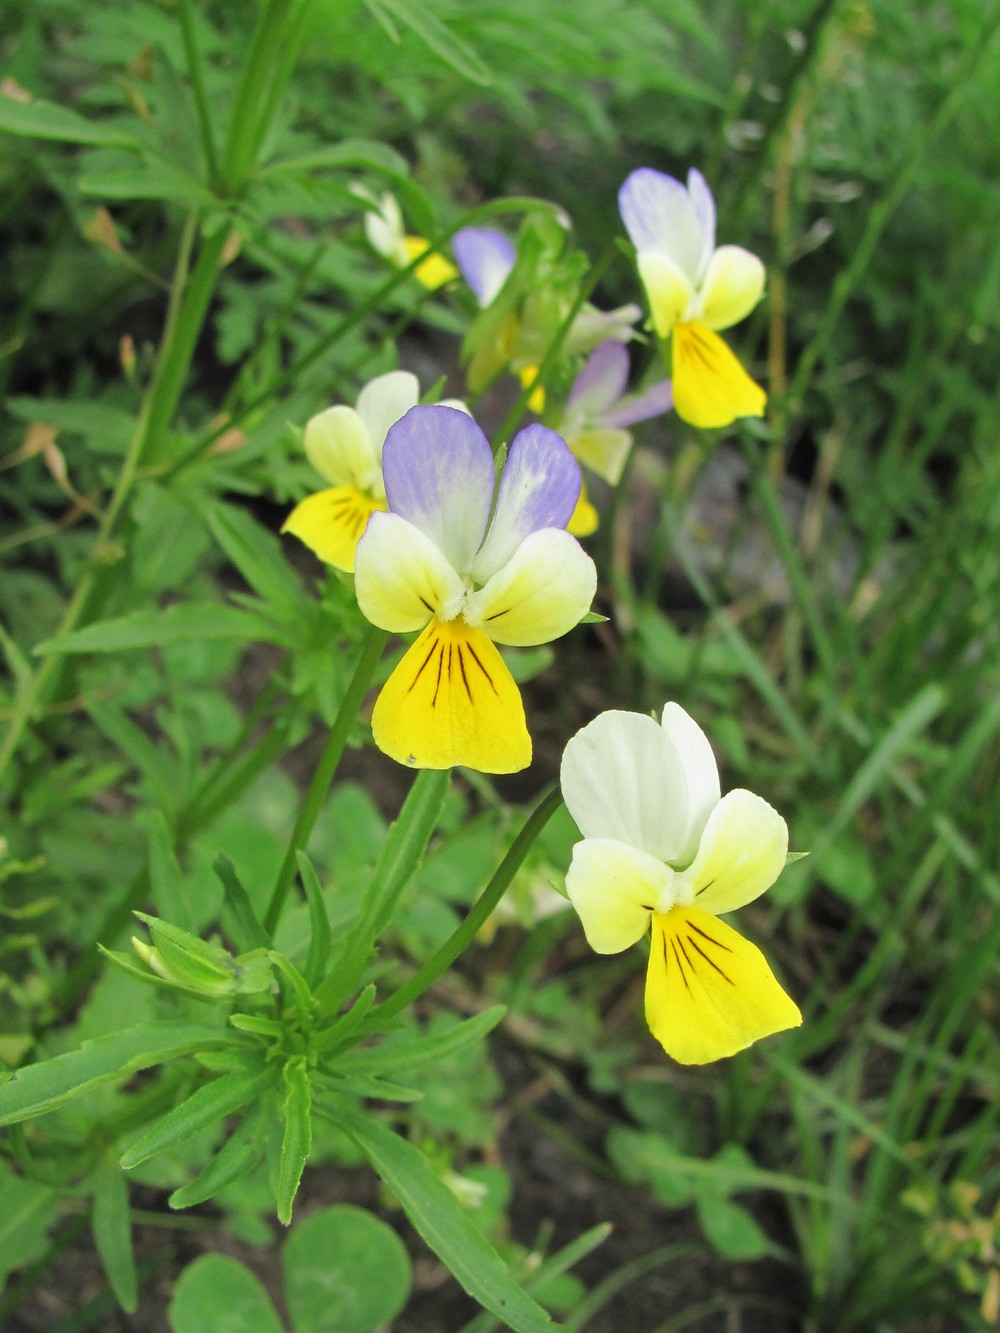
(694, 289)
(664, 851)
(344, 445)
(595, 418)
(386, 235)
(470, 564)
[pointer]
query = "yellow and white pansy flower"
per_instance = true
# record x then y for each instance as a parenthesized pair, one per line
(386, 235)
(470, 563)
(344, 445)
(694, 290)
(664, 851)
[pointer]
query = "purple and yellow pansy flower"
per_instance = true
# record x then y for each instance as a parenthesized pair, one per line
(470, 563)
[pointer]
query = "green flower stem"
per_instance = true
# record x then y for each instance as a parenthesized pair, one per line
(481, 910)
(371, 653)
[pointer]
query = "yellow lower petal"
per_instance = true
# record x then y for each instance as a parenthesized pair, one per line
(435, 271)
(331, 523)
(711, 388)
(584, 520)
(710, 992)
(452, 701)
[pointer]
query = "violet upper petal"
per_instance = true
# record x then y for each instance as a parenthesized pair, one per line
(602, 380)
(486, 257)
(539, 489)
(652, 402)
(660, 215)
(438, 473)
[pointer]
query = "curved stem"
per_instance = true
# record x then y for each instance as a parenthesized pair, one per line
(481, 910)
(325, 769)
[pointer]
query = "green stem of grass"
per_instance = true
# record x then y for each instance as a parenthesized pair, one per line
(371, 653)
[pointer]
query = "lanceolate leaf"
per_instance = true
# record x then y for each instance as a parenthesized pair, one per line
(42, 1087)
(112, 1227)
(240, 1153)
(47, 120)
(203, 1108)
(395, 1055)
(437, 1215)
(183, 623)
(297, 1140)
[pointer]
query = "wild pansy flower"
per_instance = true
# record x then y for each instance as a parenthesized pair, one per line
(386, 235)
(663, 850)
(470, 564)
(595, 417)
(344, 445)
(694, 289)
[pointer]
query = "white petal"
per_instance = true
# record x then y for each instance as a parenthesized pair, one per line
(669, 290)
(704, 207)
(701, 773)
(742, 853)
(622, 778)
(659, 214)
(339, 447)
(401, 577)
(539, 595)
(734, 283)
(614, 887)
(383, 401)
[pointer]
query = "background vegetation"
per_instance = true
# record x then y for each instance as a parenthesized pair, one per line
(820, 591)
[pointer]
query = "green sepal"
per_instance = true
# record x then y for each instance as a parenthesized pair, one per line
(592, 618)
(792, 857)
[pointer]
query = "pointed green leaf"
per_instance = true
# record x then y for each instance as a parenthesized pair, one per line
(50, 1083)
(403, 1052)
(209, 1104)
(437, 1215)
(240, 1153)
(240, 916)
(111, 1222)
(320, 938)
(296, 1142)
(48, 120)
(181, 623)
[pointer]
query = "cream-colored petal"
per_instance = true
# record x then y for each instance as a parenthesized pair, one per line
(383, 401)
(614, 888)
(539, 595)
(331, 522)
(711, 388)
(622, 778)
(701, 773)
(604, 450)
(710, 992)
(668, 288)
(452, 700)
(742, 853)
(733, 284)
(339, 447)
(401, 578)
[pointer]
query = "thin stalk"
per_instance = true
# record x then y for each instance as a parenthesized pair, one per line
(371, 653)
(480, 912)
(185, 11)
